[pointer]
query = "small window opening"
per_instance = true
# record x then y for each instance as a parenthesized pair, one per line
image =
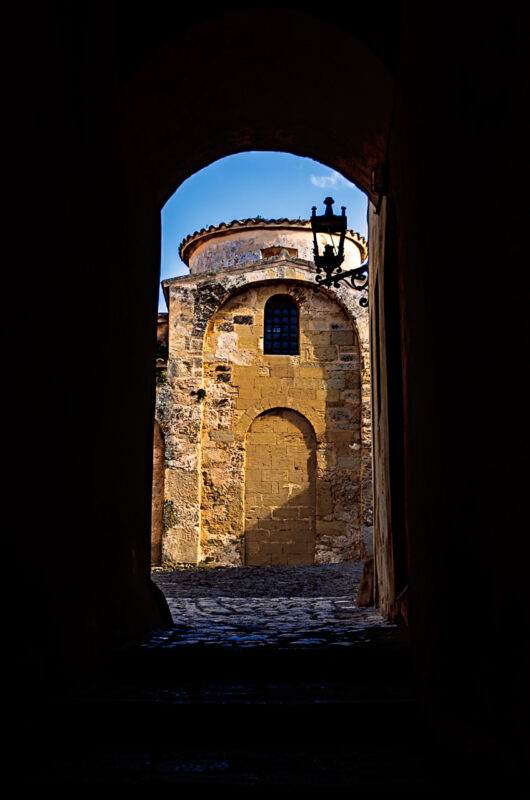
(281, 326)
(271, 252)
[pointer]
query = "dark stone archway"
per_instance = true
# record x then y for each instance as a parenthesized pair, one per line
(112, 116)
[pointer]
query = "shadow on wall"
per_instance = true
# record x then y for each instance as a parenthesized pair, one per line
(285, 504)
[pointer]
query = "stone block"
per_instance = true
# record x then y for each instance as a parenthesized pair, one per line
(336, 383)
(258, 559)
(347, 462)
(343, 337)
(181, 547)
(301, 529)
(338, 436)
(326, 353)
(319, 338)
(258, 537)
(267, 437)
(304, 399)
(285, 513)
(222, 436)
(253, 476)
(248, 342)
(332, 528)
(262, 512)
(268, 499)
(326, 456)
(324, 498)
(316, 325)
(261, 454)
(310, 372)
(300, 558)
(327, 395)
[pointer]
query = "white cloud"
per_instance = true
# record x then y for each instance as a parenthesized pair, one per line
(329, 181)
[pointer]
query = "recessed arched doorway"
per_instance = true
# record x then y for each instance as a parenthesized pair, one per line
(280, 489)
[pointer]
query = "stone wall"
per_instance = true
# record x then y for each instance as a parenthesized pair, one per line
(216, 350)
(242, 241)
(157, 507)
(322, 383)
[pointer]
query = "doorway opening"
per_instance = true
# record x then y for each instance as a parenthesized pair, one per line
(267, 442)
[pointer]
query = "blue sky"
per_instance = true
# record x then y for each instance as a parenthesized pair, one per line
(271, 185)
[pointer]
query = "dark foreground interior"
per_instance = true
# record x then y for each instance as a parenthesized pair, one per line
(425, 108)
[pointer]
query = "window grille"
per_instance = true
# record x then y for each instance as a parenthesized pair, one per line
(281, 326)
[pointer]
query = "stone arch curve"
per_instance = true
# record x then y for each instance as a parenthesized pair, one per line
(280, 408)
(246, 421)
(214, 295)
(179, 140)
(185, 66)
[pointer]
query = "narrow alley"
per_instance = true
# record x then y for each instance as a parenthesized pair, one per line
(268, 676)
(285, 606)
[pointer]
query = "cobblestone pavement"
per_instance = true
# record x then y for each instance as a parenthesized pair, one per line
(286, 606)
(251, 686)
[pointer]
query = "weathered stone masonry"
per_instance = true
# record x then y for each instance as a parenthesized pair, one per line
(267, 457)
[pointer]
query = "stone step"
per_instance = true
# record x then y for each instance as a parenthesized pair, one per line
(130, 737)
(145, 661)
(257, 716)
(182, 696)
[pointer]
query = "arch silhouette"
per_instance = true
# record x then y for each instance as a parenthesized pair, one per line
(296, 40)
(121, 133)
(306, 277)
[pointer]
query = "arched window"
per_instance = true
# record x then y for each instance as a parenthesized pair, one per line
(281, 326)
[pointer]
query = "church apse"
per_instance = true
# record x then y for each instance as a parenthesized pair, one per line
(273, 440)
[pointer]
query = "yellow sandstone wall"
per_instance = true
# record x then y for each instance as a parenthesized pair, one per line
(217, 382)
(322, 384)
(280, 490)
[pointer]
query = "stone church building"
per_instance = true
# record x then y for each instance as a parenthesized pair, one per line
(262, 437)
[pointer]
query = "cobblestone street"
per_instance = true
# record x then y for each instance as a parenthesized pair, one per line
(249, 687)
(285, 606)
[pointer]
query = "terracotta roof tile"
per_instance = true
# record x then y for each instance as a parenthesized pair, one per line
(189, 244)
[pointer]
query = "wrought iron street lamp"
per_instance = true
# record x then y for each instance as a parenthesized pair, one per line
(328, 264)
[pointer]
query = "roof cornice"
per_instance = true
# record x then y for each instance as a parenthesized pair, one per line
(194, 240)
